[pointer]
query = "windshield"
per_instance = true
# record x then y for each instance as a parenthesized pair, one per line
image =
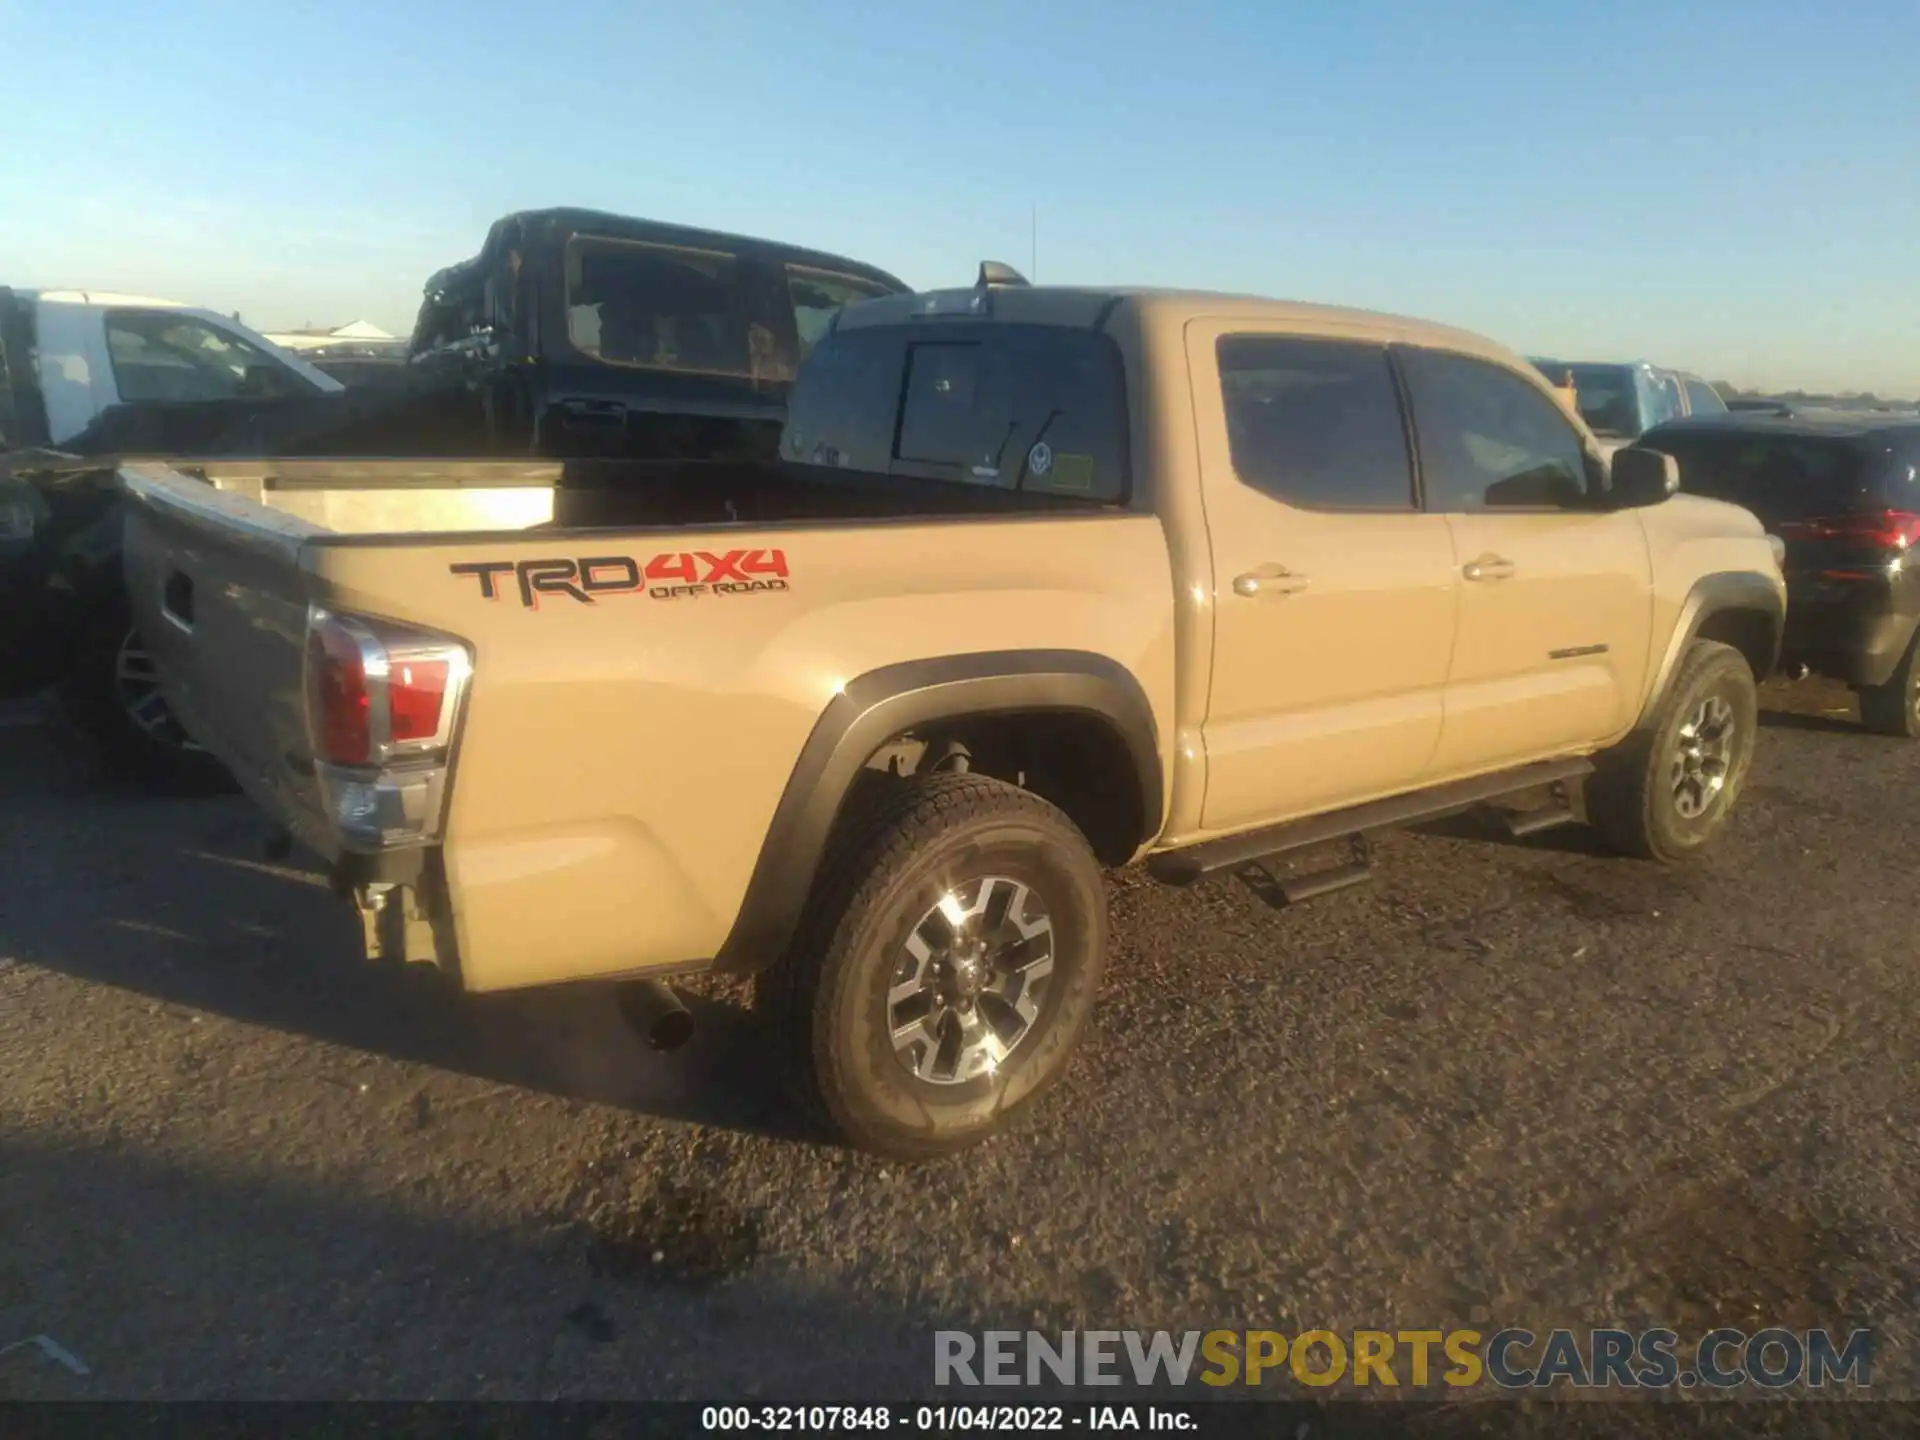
(170, 355)
(1609, 400)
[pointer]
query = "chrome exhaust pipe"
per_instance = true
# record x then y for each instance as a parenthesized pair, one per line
(653, 1010)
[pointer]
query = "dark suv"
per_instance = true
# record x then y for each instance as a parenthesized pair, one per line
(1844, 494)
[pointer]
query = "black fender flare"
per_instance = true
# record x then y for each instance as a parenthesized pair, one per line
(1713, 593)
(883, 703)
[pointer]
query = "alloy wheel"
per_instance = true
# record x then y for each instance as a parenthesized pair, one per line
(1703, 756)
(136, 687)
(970, 980)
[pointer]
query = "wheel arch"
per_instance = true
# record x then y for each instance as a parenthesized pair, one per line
(878, 707)
(1741, 608)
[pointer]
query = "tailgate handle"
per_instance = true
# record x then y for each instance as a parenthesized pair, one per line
(176, 599)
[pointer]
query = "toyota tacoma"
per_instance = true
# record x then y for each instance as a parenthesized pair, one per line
(1042, 580)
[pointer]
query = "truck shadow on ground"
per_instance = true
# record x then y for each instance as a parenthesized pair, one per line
(184, 1282)
(170, 1280)
(1818, 705)
(212, 924)
(1821, 724)
(1485, 828)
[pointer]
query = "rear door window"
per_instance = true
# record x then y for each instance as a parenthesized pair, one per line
(1018, 407)
(1315, 423)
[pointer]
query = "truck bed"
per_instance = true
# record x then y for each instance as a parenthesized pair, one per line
(652, 644)
(456, 498)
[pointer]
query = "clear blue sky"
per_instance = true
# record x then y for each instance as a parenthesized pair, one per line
(1729, 187)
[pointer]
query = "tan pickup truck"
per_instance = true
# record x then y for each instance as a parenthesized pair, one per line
(1045, 580)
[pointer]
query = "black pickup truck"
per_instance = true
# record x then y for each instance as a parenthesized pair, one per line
(575, 334)
(572, 335)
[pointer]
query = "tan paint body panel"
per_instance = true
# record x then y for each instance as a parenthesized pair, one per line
(622, 761)
(619, 763)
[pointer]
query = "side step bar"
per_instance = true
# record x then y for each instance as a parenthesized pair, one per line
(1532, 822)
(1298, 888)
(1230, 852)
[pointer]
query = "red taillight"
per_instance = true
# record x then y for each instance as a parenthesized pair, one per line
(339, 710)
(1888, 529)
(377, 692)
(416, 689)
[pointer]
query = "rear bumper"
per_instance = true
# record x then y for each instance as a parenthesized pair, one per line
(1858, 641)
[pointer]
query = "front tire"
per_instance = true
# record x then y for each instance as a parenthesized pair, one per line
(1665, 791)
(1894, 708)
(947, 964)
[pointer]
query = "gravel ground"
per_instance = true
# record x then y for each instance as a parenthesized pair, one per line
(1508, 1083)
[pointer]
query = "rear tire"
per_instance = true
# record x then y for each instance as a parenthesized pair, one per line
(1894, 708)
(911, 1036)
(1665, 791)
(110, 694)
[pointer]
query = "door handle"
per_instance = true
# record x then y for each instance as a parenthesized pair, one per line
(1488, 567)
(1269, 580)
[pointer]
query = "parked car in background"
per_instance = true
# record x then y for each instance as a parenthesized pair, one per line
(1621, 402)
(1041, 580)
(90, 372)
(575, 333)
(571, 334)
(88, 377)
(1843, 493)
(65, 624)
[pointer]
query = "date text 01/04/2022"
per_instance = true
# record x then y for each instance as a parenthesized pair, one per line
(942, 1419)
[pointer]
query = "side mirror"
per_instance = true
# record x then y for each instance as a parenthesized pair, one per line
(1642, 477)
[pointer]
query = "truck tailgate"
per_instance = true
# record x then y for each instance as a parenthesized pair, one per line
(218, 591)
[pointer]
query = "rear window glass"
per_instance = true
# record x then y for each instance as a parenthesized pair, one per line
(1778, 477)
(1027, 407)
(662, 307)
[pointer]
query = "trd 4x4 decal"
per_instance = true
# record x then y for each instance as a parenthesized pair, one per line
(667, 576)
